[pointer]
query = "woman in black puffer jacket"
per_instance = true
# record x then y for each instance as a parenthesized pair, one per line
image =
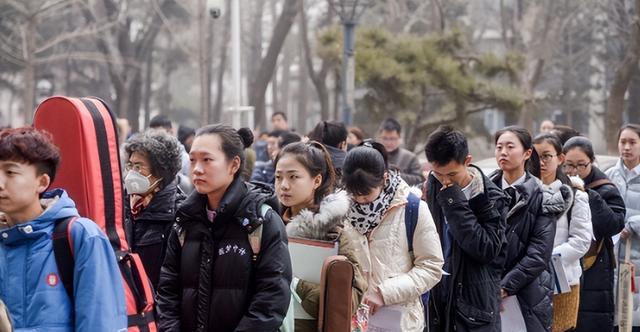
(214, 278)
(607, 216)
(530, 231)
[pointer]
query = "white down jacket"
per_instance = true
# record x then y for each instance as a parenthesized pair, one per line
(389, 266)
(573, 237)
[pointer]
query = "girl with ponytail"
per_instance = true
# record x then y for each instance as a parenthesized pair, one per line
(213, 277)
(313, 209)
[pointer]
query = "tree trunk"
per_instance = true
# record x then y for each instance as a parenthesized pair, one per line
(319, 80)
(303, 96)
(268, 63)
(29, 92)
(287, 60)
(222, 68)
(624, 73)
(148, 74)
(203, 55)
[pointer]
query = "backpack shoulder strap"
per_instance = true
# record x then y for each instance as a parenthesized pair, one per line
(255, 237)
(63, 252)
(411, 218)
(598, 183)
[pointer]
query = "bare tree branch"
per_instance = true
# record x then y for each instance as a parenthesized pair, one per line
(93, 30)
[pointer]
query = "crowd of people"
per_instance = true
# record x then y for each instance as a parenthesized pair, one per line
(210, 213)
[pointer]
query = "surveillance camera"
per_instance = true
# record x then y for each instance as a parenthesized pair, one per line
(215, 12)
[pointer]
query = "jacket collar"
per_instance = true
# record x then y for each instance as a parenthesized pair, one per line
(315, 225)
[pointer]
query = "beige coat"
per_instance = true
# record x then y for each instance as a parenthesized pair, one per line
(389, 266)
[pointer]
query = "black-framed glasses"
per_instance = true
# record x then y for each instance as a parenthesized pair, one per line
(579, 167)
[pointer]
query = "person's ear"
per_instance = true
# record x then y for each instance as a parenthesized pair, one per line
(317, 181)
(44, 181)
(561, 158)
(343, 146)
(235, 165)
(467, 160)
(527, 154)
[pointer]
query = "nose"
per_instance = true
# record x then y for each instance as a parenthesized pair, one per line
(196, 168)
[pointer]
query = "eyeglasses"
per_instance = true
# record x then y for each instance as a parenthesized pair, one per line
(579, 167)
(545, 158)
(135, 166)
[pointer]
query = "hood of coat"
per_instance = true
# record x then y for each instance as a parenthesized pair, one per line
(57, 205)
(316, 225)
(557, 198)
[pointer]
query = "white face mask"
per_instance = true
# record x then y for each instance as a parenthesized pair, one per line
(136, 183)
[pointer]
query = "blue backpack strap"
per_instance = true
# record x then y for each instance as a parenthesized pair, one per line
(411, 218)
(63, 252)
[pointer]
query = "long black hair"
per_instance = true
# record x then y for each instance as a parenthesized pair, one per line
(532, 165)
(315, 158)
(364, 168)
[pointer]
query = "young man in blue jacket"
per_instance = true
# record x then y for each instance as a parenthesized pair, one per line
(30, 283)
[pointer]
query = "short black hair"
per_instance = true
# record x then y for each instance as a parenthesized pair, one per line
(582, 143)
(160, 120)
(288, 137)
(330, 133)
(161, 150)
(390, 124)
(184, 132)
(31, 146)
(276, 133)
(564, 133)
(364, 167)
(446, 144)
(284, 116)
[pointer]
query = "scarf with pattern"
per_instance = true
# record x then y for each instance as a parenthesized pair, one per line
(365, 217)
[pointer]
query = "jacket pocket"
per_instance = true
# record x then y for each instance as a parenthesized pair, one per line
(472, 316)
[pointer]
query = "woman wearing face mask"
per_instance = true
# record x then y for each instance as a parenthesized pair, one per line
(626, 176)
(305, 182)
(607, 218)
(530, 231)
(153, 161)
(227, 266)
(396, 276)
(573, 227)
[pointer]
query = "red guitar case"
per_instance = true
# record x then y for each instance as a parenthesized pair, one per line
(85, 131)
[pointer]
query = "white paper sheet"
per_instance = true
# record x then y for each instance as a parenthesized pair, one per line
(386, 319)
(307, 258)
(511, 315)
(561, 285)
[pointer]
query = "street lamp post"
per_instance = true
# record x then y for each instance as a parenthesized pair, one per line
(349, 12)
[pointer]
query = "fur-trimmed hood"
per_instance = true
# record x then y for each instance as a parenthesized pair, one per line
(317, 225)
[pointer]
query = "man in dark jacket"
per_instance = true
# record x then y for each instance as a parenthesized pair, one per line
(469, 212)
(232, 291)
(402, 160)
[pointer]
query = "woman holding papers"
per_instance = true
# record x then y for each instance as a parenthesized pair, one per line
(530, 231)
(573, 228)
(607, 218)
(626, 176)
(313, 209)
(397, 277)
